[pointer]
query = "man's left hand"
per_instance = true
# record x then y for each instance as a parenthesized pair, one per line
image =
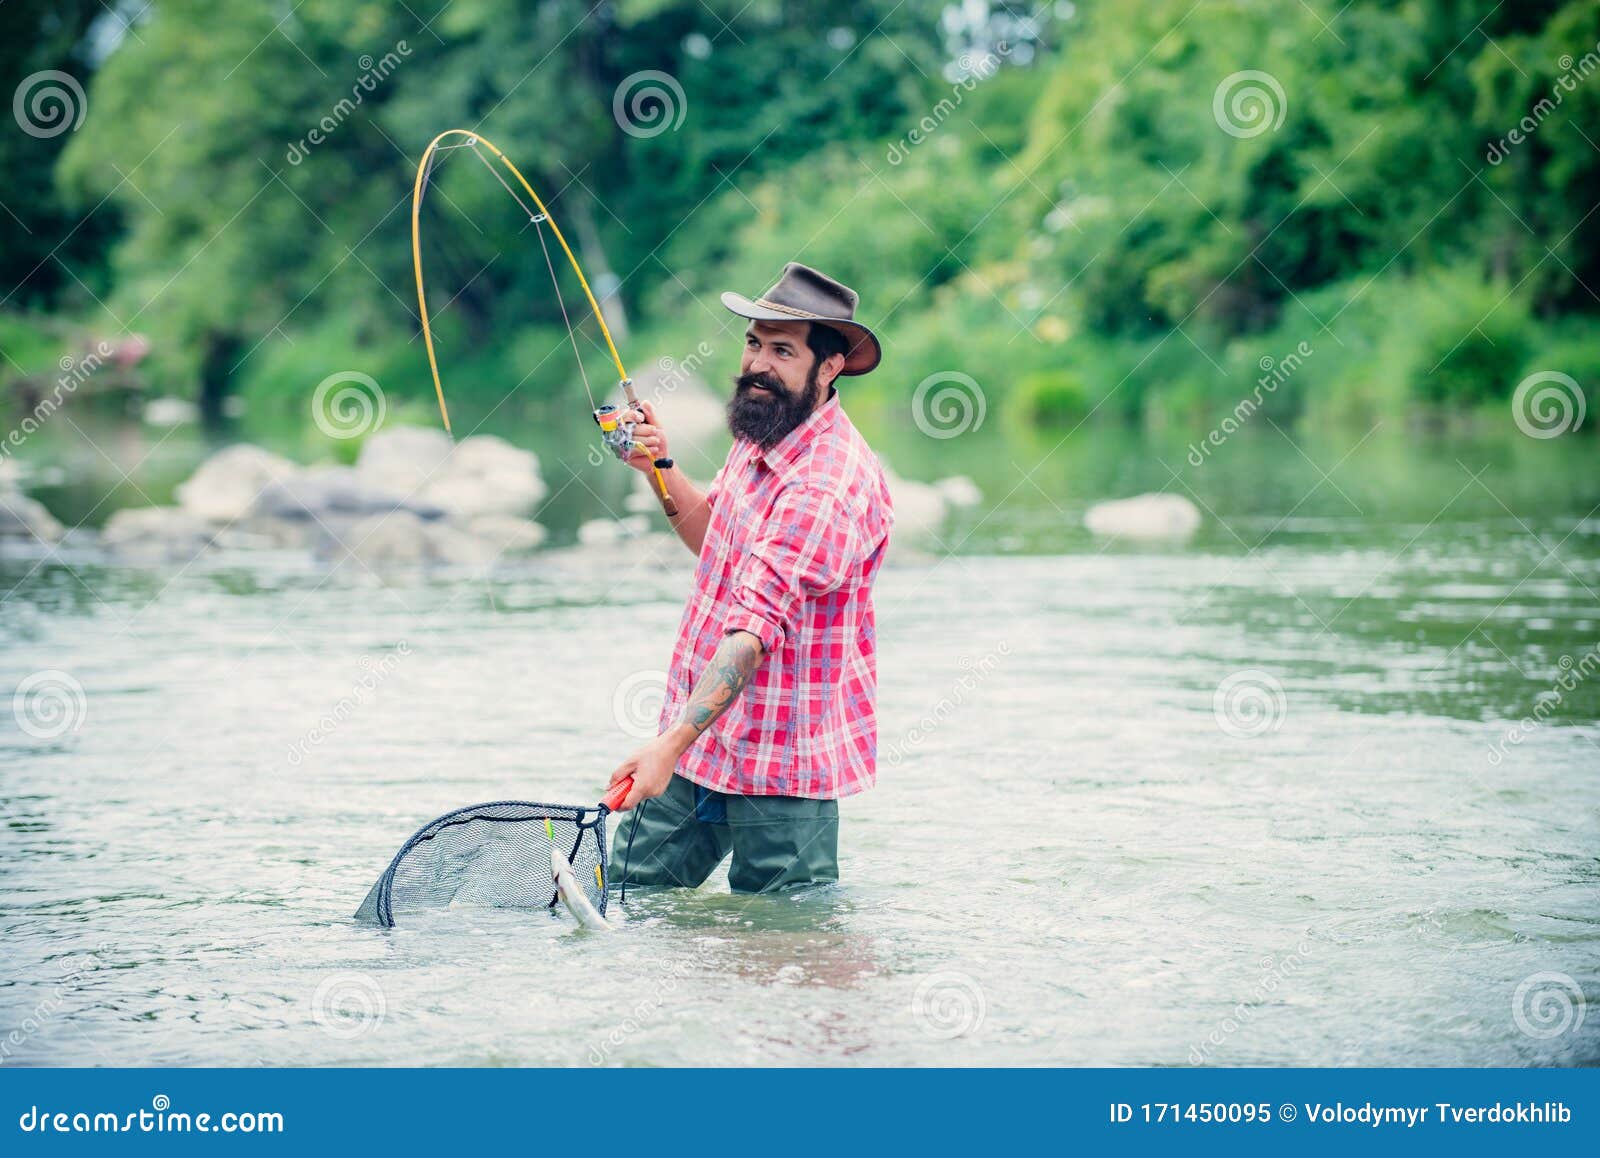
(651, 768)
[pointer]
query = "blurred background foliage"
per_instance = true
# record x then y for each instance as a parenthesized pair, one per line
(1039, 196)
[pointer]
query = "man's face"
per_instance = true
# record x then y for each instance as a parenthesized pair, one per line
(777, 387)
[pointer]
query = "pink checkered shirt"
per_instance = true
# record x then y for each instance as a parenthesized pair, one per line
(797, 534)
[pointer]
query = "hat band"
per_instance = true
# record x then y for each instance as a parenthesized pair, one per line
(771, 305)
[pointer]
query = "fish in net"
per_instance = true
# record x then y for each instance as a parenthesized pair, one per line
(494, 855)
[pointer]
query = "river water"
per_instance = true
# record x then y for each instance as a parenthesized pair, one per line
(1260, 799)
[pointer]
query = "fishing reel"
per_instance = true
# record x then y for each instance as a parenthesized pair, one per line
(616, 432)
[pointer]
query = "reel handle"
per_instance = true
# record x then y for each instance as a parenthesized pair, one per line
(617, 794)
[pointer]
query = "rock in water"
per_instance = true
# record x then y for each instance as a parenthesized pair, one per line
(226, 484)
(482, 475)
(326, 492)
(156, 534)
(401, 538)
(959, 491)
(508, 534)
(919, 509)
(486, 475)
(1152, 517)
(24, 518)
(403, 459)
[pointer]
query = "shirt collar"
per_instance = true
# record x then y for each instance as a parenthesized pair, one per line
(788, 448)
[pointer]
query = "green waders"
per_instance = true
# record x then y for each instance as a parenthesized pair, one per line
(778, 842)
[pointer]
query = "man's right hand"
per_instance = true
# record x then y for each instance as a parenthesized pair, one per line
(651, 438)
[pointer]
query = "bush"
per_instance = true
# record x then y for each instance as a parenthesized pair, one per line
(1052, 397)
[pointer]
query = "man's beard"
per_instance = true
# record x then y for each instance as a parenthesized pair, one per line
(765, 419)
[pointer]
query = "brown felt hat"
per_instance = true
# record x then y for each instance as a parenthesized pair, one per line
(806, 295)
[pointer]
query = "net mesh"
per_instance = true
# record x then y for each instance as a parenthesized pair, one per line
(494, 855)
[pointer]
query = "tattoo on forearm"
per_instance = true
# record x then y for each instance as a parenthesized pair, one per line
(730, 669)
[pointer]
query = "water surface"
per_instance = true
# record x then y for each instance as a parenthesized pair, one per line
(1074, 854)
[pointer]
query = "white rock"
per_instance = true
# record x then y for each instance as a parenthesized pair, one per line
(170, 412)
(597, 532)
(403, 459)
(157, 534)
(227, 483)
(919, 509)
(1147, 517)
(325, 492)
(482, 475)
(959, 491)
(401, 538)
(25, 518)
(691, 413)
(507, 534)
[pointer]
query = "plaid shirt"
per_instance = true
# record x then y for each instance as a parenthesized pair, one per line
(797, 534)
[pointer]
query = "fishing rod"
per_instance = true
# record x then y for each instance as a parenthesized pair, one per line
(615, 423)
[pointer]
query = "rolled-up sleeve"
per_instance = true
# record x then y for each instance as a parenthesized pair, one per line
(809, 547)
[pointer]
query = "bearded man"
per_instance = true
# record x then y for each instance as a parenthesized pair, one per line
(770, 716)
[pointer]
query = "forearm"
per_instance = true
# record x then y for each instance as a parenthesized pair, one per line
(694, 513)
(734, 664)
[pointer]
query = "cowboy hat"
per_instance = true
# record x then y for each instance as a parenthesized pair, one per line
(803, 294)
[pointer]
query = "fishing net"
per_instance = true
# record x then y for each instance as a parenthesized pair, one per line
(494, 856)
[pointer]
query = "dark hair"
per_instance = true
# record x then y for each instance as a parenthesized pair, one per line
(825, 341)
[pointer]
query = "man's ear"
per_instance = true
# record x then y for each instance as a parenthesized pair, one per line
(829, 370)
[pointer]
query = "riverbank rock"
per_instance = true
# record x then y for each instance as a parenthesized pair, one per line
(226, 485)
(401, 538)
(508, 534)
(481, 475)
(413, 497)
(919, 508)
(330, 492)
(598, 532)
(959, 491)
(26, 520)
(156, 535)
(1150, 517)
